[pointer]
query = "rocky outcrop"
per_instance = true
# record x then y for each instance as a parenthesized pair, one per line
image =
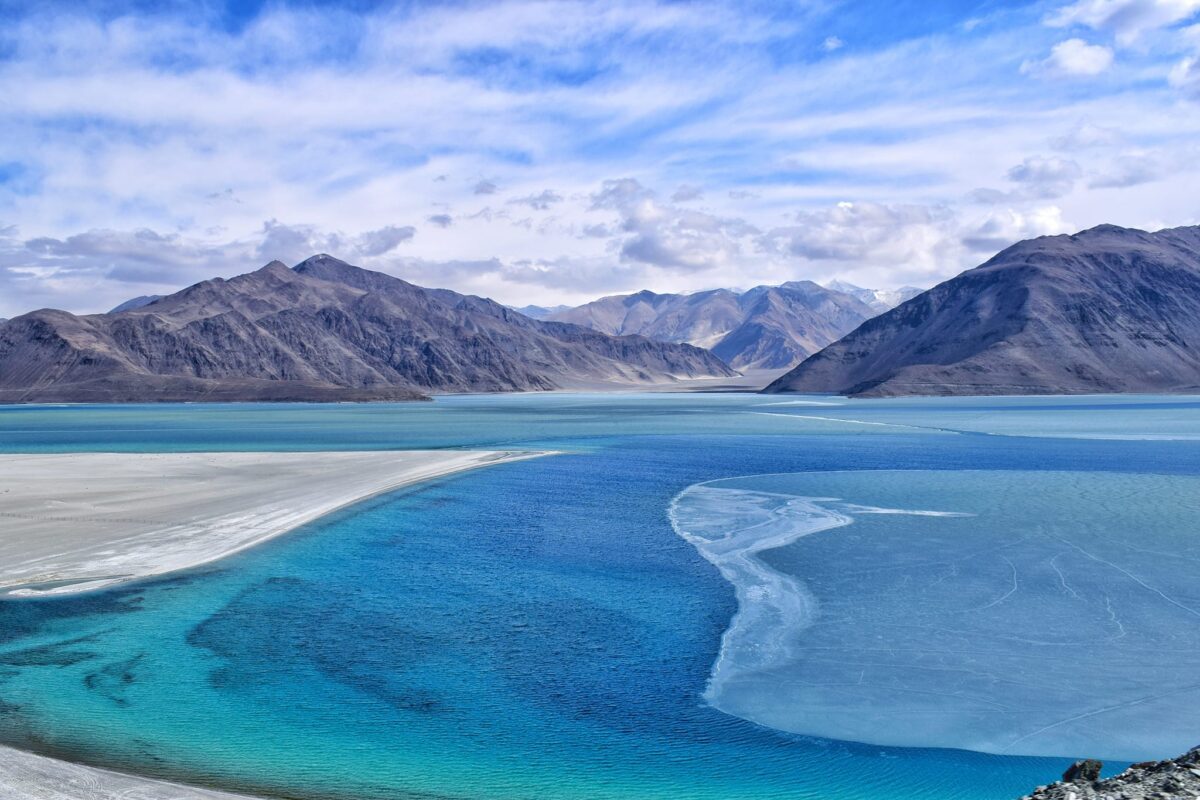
(1173, 779)
(323, 331)
(1106, 310)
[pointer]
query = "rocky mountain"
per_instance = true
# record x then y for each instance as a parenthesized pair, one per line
(324, 330)
(540, 312)
(880, 300)
(1107, 310)
(767, 327)
(136, 302)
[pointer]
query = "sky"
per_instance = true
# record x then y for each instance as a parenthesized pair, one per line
(553, 152)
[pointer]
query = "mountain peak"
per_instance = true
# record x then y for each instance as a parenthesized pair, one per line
(320, 261)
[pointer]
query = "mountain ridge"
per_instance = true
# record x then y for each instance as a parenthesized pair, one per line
(766, 327)
(1108, 309)
(325, 330)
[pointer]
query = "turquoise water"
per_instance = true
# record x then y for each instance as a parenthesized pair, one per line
(541, 629)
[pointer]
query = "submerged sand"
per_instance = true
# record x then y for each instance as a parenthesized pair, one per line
(82, 521)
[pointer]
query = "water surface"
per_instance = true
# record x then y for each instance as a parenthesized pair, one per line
(541, 630)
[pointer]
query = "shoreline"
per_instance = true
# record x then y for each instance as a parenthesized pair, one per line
(88, 521)
(30, 776)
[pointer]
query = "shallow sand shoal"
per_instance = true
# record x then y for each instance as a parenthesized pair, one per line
(81, 521)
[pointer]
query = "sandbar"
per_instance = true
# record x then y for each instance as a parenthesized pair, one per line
(84, 521)
(25, 776)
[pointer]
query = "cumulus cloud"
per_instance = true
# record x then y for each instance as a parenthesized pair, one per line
(1003, 228)
(440, 220)
(832, 43)
(1073, 58)
(1128, 20)
(872, 232)
(485, 187)
(664, 235)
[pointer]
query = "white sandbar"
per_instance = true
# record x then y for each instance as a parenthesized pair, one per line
(25, 776)
(82, 521)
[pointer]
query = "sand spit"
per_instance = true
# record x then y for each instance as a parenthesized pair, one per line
(25, 776)
(82, 521)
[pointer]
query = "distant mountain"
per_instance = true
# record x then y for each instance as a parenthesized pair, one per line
(1107, 310)
(880, 300)
(767, 327)
(323, 331)
(136, 302)
(539, 312)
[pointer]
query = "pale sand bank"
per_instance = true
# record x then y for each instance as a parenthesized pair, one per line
(25, 776)
(82, 521)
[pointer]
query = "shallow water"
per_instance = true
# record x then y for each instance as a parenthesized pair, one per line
(539, 629)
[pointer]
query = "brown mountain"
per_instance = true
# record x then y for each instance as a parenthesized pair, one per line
(1107, 310)
(324, 330)
(767, 327)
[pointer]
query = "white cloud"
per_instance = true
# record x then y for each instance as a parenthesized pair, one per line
(360, 124)
(875, 233)
(832, 43)
(1041, 177)
(1004, 228)
(1129, 169)
(1128, 20)
(1073, 58)
(541, 201)
(663, 235)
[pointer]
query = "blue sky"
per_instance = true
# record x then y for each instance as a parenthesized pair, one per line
(555, 151)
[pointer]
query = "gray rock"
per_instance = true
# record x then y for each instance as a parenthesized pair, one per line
(1173, 779)
(1087, 770)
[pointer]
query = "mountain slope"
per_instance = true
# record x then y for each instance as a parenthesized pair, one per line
(768, 327)
(1107, 310)
(322, 331)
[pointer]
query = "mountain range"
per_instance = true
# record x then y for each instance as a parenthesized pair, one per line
(767, 327)
(323, 330)
(1109, 309)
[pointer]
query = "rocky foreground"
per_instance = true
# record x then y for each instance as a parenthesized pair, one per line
(1173, 779)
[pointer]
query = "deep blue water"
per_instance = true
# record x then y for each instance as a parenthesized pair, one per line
(533, 630)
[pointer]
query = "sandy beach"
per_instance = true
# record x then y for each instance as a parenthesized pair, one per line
(83, 521)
